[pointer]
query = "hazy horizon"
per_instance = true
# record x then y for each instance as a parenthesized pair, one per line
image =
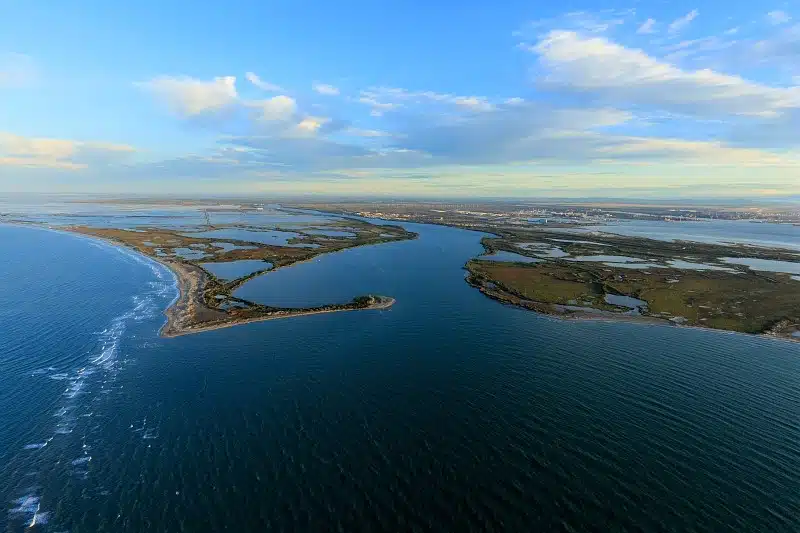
(784, 202)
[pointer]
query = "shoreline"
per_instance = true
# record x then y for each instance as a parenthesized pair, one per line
(386, 303)
(186, 283)
(540, 308)
(190, 280)
(182, 312)
(600, 315)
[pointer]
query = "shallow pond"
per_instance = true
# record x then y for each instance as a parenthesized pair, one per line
(236, 269)
(509, 257)
(625, 301)
(766, 265)
(634, 266)
(277, 238)
(687, 265)
(229, 246)
(189, 253)
(605, 258)
(330, 233)
(705, 231)
(543, 249)
(580, 242)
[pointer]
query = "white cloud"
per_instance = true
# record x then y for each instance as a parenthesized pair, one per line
(679, 24)
(614, 73)
(323, 88)
(38, 152)
(701, 152)
(777, 18)
(309, 126)
(261, 84)
(602, 21)
(358, 132)
(476, 103)
(647, 27)
(191, 97)
(377, 107)
(596, 22)
(17, 70)
(382, 99)
(278, 108)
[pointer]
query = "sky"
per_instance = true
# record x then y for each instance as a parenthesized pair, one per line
(403, 98)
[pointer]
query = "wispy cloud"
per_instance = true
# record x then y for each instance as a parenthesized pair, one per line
(190, 97)
(647, 27)
(777, 18)
(680, 23)
(324, 88)
(263, 85)
(35, 152)
(382, 99)
(614, 73)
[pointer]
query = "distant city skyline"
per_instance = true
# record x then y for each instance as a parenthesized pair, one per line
(406, 99)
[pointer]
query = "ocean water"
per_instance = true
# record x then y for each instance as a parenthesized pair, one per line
(447, 412)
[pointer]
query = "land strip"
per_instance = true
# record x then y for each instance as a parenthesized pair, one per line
(206, 302)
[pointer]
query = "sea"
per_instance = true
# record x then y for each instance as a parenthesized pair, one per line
(447, 412)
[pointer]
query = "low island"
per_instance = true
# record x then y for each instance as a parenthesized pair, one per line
(207, 301)
(612, 277)
(557, 259)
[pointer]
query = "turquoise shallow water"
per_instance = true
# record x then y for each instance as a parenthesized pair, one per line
(449, 412)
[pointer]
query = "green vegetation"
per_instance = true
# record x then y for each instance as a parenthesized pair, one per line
(738, 301)
(208, 301)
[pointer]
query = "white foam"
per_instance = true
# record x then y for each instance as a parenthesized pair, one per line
(104, 360)
(38, 445)
(39, 518)
(28, 504)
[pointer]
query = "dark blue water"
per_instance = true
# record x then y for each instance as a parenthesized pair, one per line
(449, 412)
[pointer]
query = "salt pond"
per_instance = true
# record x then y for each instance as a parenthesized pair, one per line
(625, 301)
(229, 246)
(236, 269)
(278, 238)
(509, 257)
(687, 265)
(707, 231)
(605, 258)
(767, 265)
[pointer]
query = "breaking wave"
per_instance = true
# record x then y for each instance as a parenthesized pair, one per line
(85, 385)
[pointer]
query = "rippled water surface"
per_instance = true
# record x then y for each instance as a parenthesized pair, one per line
(448, 412)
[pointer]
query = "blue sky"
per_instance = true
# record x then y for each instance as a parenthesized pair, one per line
(403, 98)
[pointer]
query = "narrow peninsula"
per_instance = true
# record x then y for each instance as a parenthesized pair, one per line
(207, 301)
